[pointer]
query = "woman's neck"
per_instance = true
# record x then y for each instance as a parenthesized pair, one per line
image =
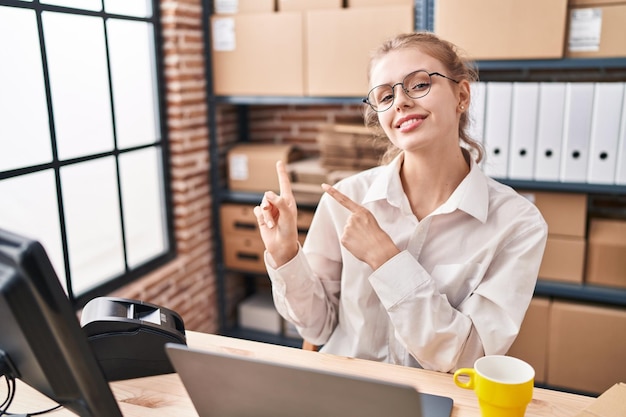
(429, 180)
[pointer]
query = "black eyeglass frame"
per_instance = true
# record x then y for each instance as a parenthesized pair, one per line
(406, 91)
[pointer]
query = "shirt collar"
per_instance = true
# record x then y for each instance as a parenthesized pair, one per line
(387, 185)
(471, 196)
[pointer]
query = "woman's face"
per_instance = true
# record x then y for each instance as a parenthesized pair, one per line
(431, 121)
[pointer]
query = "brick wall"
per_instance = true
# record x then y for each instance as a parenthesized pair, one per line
(186, 284)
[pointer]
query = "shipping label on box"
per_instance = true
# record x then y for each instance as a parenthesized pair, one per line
(584, 30)
(597, 32)
(243, 6)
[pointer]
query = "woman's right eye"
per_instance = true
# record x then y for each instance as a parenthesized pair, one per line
(386, 99)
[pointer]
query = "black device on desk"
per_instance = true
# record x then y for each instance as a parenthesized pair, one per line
(128, 337)
(41, 341)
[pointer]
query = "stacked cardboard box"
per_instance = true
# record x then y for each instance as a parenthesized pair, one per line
(297, 38)
(566, 216)
(347, 147)
(497, 29)
(572, 345)
(252, 166)
(242, 244)
(587, 347)
(257, 312)
(606, 254)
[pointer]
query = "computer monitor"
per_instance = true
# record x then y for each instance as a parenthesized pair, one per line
(41, 341)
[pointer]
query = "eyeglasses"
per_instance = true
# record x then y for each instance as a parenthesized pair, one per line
(415, 85)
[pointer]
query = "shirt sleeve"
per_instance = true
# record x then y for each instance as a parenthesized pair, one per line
(444, 338)
(308, 300)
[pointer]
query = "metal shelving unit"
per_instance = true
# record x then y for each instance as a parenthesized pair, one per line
(579, 69)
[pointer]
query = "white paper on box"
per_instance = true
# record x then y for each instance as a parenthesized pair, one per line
(620, 174)
(576, 132)
(605, 130)
(524, 109)
(223, 34)
(549, 131)
(584, 30)
(226, 6)
(476, 126)
(238, 167)
(497, 128)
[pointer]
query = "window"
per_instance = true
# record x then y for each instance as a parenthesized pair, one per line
(83, 157)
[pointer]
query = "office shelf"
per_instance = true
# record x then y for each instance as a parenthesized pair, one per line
(555, 65)
(564, 70)
(286, 100)
(588, 188)
(582, 292)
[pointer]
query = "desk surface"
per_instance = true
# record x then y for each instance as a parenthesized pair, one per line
(165, 396)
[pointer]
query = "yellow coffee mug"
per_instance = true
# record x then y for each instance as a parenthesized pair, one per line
(503, 385)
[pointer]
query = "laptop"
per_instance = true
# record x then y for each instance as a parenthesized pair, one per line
(228, 385)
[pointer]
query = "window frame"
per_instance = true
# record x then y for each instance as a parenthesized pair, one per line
(129, 274)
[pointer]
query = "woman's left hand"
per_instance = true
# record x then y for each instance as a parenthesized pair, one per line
(362, 235)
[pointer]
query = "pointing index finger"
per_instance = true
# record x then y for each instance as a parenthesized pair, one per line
(283, 179)
(341, 198)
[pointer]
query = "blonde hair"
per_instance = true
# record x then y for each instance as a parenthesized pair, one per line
(457, 68)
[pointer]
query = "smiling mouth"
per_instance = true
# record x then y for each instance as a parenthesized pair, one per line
(408, 122)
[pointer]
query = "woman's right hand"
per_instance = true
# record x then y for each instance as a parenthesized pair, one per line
(276, 216)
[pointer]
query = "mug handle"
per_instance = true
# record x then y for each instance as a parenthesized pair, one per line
(466, 372)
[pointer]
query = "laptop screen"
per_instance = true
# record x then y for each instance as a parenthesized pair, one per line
(230, 385)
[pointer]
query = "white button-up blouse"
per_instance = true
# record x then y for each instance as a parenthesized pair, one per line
(459, 288)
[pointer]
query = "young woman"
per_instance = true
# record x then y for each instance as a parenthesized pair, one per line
(423, 261)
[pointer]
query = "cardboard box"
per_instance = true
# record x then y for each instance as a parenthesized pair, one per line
(610, 404)
(244, 253)
(349, 147)
(597, 31)
(257, 312)
(565, 213)
(531, 344)
(370, 3)
(587, 347)
(606, 254)
(504, 29)
(563, 259)
(243, 6)
(302, 5)
(336, 62)
(258, 54)
(239, 220)
(252, 167)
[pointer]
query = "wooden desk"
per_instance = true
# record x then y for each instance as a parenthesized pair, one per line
(165, 396)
